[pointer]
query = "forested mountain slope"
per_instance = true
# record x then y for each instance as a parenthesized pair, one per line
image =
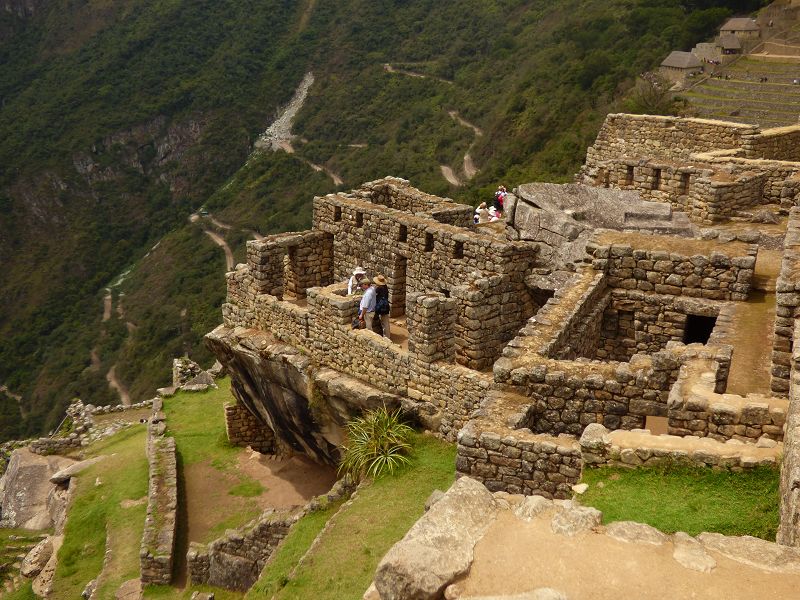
(119, 118)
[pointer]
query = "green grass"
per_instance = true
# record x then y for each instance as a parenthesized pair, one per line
(196, 421)
(300, 538)
(23, 593)
(97, 510)
(681, 498)
(343, 563)
(247, 489)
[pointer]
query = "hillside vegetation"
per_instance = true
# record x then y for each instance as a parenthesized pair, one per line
(119, 119)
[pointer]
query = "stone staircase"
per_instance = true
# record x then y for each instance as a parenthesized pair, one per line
(13, 550)
(744, 99)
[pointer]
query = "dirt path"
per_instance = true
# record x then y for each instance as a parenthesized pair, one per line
(219, 223)
(94, 355)
(107, 305)
(306, 16)
(287, 483)
(470, 170)
(390, 69)
(753, 329)
(220, 241)
(116, 384)
(517, 556)
(319, 168)
(456, 117)
(448, 174)
(9, 393)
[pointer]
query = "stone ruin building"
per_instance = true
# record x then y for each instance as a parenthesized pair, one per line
(608, 321)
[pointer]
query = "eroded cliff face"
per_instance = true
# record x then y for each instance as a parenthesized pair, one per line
(305, 405)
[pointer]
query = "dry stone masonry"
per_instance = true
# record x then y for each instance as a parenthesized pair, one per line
(156, 553)
(547, 345)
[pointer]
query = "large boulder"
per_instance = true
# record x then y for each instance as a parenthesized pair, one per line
(37, 558)
(439, 547)
(26, 493)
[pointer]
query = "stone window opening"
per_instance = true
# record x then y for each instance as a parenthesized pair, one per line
(402, 235)
(458, 250)
(337, 213)
(656, 179)
(428, 242)
(698, 329)
(629, 176)
(684, 183)
(359, 219)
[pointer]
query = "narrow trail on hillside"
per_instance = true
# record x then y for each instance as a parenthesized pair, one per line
(306, 16)
(220, 241)
(116, 384)
(107, 305)
(390, 69)
(4, 389)
(470, 170)
(468, 164)
(450, 175)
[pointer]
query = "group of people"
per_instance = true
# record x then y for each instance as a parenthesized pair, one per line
(374, 302)
(494, 212)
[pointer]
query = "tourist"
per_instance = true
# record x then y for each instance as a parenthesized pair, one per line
(382, 307)
(493, 215)
(482, 213)
(355, 281)
(500, 198)
(366, 310)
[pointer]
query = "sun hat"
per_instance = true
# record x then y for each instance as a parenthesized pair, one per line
(359, 271)
(379, 280)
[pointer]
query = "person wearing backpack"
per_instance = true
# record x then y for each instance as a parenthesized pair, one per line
(382, 307)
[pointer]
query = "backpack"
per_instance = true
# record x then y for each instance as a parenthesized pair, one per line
(382, 306)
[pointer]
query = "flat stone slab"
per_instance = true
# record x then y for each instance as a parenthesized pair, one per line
(68, 473)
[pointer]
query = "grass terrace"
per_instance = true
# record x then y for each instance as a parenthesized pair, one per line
(342, 562)
(683, 498)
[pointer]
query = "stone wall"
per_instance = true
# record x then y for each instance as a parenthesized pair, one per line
(698, 190)
(81, 428)
(787, 298)
(669, 138)
(567, 395)
(244, 429)
(789, 529)
(780, 143)
(158, 539)
(516, 461)
(235, 560)
(641, 449)
(694, 268)
(695, 409)
(639, 322)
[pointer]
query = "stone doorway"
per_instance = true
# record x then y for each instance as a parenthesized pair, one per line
(698, 329)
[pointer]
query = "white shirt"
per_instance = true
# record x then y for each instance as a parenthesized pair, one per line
(368, 301)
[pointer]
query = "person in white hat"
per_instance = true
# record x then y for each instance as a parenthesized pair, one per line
(353, 284)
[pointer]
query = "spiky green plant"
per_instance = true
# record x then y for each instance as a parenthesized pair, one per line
(377, 443)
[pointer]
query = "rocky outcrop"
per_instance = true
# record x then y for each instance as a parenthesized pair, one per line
(439, 547)
(28, 499)
(305, 405)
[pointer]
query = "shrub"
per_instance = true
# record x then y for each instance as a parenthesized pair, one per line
(377, 443)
